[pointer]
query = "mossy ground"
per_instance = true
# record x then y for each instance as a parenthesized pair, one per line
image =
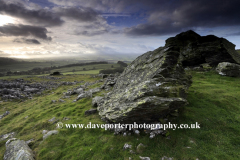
(213, 103)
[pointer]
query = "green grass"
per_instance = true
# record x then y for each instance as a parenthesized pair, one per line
(213, 103)
(238, 50)
(89, 69)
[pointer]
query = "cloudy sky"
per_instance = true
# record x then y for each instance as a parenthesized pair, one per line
(50, 28)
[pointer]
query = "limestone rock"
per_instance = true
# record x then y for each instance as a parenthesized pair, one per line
(150, 87)
(79, 90)
(5, 114)
(228, 69)
(127, 146)
(196, 49)
(7, 136)
(53, 120)
(144, 158)
(88, 94)
(96, 101)
(17, 149)
(167, 158)
(47, 134)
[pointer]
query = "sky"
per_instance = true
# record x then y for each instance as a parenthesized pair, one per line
(71, 28)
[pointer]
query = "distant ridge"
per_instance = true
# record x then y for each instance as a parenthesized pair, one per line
(8, 61)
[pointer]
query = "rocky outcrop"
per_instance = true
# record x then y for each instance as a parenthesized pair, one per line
(155, 84)
(196, 49)
(109, 83)
(17, 149)
(150, 87)
(228, 69)
(96, 101)
(21, 89)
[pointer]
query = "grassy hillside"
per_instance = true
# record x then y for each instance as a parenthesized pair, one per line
(86, 69)
(15, 65)
(25, 65)
(238, 50)
(213, 103)
(79, 69)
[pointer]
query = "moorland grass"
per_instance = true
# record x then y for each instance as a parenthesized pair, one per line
(213, 103)
(89, 69)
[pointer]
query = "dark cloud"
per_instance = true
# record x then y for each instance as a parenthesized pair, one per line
(91, 33)
(42, 16)
(232, 34)
(24, 30)
(167, 16)
(153, 29)
(187, 14)
(27, 41)
(80, 14)
(114, 6)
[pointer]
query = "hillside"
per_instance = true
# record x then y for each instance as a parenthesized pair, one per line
(213, 103)
(179, 101)
(8, 61)
(238, 50)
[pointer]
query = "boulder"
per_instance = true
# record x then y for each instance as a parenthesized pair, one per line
(96, 101)
(49, 133)
(95, 90)
(17, 149)
(127, 146)
(151, 87)
(228, 69)
(7, 136)
(144, 158)
(5, 114)
(87, 94)
(79, 90)
(83, 95)
(53, 120)
(196, 49)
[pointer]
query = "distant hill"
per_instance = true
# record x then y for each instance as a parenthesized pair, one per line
(8, 61)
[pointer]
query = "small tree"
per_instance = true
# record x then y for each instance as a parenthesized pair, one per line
(84, 69)
(112, 66)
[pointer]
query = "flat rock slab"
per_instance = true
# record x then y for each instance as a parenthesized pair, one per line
(18, 150)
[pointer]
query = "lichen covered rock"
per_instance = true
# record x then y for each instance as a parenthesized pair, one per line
(196, 49)
(150, 87)
(228, 69)
(17, 150)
